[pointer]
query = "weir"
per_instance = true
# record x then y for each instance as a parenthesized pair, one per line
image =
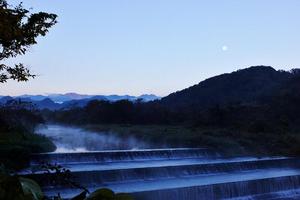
(122, 155)
(177, 174)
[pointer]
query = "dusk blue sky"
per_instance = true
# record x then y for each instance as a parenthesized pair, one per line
(156, 46)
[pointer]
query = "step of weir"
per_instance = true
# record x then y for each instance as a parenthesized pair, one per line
(177, 174)
(122, 155)
(256, 184)
(201, 187)
(92, 166)
(102, 176)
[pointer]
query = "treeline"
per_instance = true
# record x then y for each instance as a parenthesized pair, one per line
(119, 112)
(279, 112)
(19, 116)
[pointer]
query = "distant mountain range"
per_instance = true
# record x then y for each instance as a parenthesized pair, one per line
(61, 98)
(58, 101)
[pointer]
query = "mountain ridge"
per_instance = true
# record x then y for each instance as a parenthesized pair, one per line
(68, 100)
(246, 86)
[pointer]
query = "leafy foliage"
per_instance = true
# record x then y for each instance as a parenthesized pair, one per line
(62, 176)
(14, 187)
(31, 189)
(107, 194)
(18, 31)
(59, 175)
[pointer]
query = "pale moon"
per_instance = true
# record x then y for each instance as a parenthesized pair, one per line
(224, 48)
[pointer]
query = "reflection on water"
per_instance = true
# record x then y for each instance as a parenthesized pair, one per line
(71, 139)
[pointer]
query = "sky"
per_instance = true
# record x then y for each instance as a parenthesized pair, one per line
(155, 46)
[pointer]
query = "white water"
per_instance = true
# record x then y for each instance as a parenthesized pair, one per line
(72, 139)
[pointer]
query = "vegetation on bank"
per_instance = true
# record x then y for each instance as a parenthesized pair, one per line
(17, 141)
(17, 137)
(16, 147)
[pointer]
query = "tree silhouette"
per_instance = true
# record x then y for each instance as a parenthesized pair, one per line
(18, 31)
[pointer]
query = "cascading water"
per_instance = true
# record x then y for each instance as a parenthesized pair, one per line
(175, 174)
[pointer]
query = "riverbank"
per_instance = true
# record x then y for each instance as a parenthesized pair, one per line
(16, 147)
(229, 142)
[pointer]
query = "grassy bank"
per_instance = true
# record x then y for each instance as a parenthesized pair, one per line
(15, 148)
(226, 141)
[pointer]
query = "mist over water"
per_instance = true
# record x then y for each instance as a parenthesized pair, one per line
(73, 139)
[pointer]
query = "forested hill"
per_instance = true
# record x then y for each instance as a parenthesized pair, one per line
(243, 86)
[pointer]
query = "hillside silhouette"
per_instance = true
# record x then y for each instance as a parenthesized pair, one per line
(244, 86)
